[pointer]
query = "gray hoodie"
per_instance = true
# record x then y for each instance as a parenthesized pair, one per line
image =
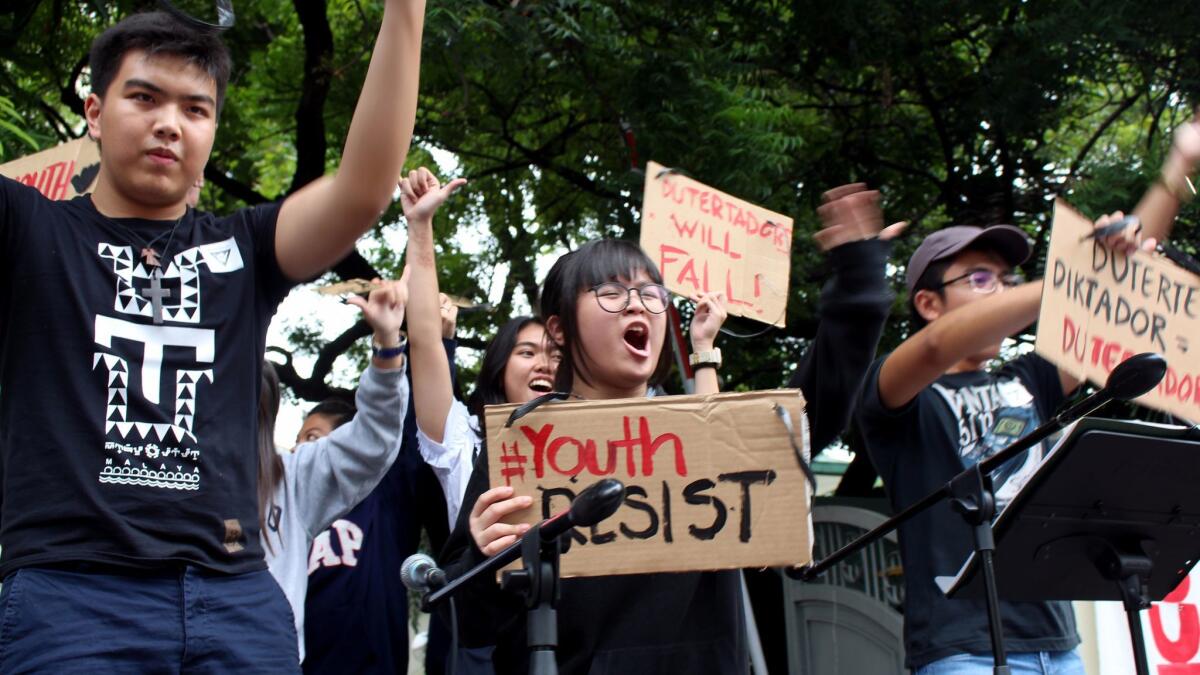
(325, 479)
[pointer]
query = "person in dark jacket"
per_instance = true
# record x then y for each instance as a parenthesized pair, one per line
(663, 623)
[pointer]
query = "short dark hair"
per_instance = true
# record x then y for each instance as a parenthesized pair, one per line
(593, 263)
(158, 34)
(489, 386)
(337, 410)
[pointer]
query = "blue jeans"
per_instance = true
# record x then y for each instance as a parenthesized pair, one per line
(1021, 663)
(57, 621)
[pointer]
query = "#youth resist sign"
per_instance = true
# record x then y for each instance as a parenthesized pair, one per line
(62, 172)
(1100, 307)
(711, 482)
(704, 240)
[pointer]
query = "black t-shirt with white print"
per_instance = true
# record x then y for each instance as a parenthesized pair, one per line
(954, 423)
(122, 442)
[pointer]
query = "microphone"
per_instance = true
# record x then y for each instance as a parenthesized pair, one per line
(599, 501)
(1130, 379)
(420, 573)
(1136, 375)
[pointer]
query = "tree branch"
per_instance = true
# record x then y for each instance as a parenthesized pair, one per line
(311, 144)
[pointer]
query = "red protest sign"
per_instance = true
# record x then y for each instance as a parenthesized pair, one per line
(704, 240)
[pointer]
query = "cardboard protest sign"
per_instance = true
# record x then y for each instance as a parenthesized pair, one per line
(62, 172)
(711, 482)
(704, 240)
(1100, 307)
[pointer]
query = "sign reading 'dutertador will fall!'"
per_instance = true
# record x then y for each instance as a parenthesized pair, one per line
(1100, 307)
(62, 172)
(711, 482)
(704, 240)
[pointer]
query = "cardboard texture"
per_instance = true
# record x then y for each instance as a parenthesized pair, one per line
(62, 172)
(712, 482)
(1100, 307)
(704, 240)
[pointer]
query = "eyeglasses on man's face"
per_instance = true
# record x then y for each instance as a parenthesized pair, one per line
(614, 297)
(983, 280)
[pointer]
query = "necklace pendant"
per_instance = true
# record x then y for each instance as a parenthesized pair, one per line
(150, 257)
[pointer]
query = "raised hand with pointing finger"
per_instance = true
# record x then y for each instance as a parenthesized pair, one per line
(421, 194)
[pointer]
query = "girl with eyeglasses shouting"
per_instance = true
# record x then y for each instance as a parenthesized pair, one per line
(606, 309)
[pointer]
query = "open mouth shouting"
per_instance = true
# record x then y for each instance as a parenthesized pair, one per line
(637, 339)
(541, 385)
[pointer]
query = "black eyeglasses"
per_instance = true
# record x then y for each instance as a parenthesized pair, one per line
(196, 13)
(985, 281)
(614, 297)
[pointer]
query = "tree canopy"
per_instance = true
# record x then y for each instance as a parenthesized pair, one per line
(971, 112)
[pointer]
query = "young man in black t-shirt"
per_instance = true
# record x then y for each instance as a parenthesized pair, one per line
(930, 409)
(132, 331)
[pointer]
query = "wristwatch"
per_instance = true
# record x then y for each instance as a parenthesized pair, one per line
(706, 359)
(384, 353)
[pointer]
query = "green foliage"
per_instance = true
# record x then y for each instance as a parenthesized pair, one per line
(965, 112)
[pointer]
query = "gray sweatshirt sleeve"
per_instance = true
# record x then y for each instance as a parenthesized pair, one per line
(331, 475)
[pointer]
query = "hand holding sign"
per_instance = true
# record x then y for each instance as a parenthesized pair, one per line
(490, 534)
(851, 213)
(706, 322)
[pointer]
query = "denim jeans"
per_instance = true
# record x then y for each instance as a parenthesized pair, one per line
(57, 621)
(1021, 663)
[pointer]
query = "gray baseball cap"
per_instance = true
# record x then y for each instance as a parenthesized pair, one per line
(1008, 241)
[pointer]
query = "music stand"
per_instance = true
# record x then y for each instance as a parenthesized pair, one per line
(1112, 514)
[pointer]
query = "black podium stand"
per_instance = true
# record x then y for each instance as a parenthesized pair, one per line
(1112, 514)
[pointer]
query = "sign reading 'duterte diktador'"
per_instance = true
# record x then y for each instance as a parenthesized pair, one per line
(1099, 307)
(711, 482)
(704, 240)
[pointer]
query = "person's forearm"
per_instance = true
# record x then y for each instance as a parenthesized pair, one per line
(854, 306)
(956, 335)
(973, 327)
(704, 380)
(381, 130)
(1158, 207)
(424, 312)
(432, 387)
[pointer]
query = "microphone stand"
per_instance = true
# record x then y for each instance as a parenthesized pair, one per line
(539, 581)
(970, 492)
(539, 550)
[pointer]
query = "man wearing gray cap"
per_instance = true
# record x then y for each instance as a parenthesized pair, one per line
(930, 409)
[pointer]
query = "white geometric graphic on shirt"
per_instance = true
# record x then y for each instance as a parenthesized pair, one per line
(117, 411)
(149, 435)
(220, 257)
(157, 454)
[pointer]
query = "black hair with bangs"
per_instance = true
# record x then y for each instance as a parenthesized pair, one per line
(577, 272)
(489, 386)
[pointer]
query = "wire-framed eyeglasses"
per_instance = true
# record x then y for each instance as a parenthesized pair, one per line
(614, 297)
(985, 281)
